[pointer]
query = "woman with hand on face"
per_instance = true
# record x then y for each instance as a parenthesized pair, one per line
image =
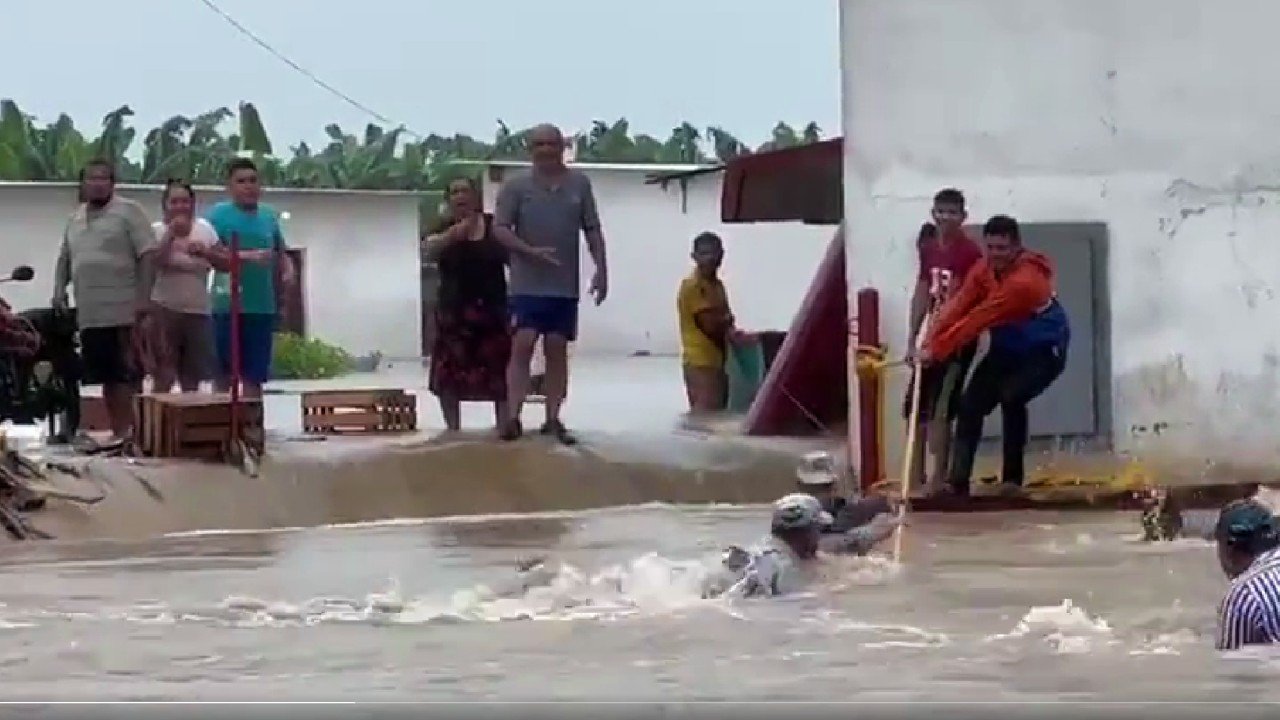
(473, 338)
(183, 340)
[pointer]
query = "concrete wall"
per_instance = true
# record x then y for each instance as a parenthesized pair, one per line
(1153, 116)
(649, 230)
(361, 279)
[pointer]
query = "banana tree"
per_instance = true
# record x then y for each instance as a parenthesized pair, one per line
(724, 145)
(196, 149)
(508, 145)
(364, 164)
(607, 142)
(63, 149)
(683, 145)
(113, 143)
(166, 152)
(19, 159)
(783, 136)
(648, 147)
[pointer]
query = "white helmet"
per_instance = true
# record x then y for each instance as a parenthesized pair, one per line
(797, 511)
(817, 468)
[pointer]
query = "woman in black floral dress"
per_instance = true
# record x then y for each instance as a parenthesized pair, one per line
(473, 329)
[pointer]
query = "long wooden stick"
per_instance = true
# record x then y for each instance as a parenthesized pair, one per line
(913, 427)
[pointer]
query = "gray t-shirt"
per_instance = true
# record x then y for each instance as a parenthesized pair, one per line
(547, 216)
(104, 247)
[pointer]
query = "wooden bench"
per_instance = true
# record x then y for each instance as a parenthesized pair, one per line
(194, 425)
(337, 412)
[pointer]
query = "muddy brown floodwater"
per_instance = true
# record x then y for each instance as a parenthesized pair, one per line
(987, 607)
(995, 607)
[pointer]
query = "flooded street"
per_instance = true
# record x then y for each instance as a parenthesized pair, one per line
(988, 606)
(1034, 606)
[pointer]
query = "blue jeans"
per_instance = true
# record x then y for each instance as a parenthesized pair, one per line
(256, 332)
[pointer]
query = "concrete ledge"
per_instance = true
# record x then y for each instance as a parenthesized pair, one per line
(424, 479)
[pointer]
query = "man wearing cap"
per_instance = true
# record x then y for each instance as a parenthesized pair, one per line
(1248, 537)
(796, 535)
(817, 476)
(772, 568)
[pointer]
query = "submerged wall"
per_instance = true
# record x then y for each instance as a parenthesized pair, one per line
(369, 480)
(1154, 116)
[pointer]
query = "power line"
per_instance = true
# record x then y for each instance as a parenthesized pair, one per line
(305, 72)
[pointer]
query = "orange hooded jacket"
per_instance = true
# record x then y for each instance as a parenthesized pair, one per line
(985, 301)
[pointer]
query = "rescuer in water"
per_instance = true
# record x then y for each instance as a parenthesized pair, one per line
(818, 476)
(1248, 538)
(1009, 294)
(798, 533)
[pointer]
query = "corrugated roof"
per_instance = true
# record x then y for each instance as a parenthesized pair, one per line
(663, 177)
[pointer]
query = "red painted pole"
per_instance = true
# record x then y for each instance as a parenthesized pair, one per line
(234, 318)
(870, 387)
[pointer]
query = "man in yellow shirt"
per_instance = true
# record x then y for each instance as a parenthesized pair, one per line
(705, 326)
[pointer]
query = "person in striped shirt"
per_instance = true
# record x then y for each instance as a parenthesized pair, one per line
(1248, 537)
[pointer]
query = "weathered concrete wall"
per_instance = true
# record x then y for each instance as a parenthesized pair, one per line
(1153, 116)
(360, 279)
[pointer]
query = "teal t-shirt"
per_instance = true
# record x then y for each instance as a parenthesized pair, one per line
(258, 230)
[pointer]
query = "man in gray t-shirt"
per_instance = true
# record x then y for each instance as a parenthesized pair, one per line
(551, 206)
(106, 258)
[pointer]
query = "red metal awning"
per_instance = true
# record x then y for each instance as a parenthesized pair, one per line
(799, 183)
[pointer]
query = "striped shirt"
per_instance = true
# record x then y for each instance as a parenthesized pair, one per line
(1250, 613)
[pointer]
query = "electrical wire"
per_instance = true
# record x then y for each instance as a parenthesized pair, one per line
(315, 79)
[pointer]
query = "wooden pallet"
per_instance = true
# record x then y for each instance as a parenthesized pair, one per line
(337, 412)
(194, 425)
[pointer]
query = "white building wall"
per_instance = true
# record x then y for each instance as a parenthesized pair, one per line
(649, 232)
(1154, 116)
(361, 284)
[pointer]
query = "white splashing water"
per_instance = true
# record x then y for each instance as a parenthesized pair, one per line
(1065, 628)
(649, 585)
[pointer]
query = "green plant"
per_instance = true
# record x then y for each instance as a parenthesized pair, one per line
(198, 148)
(297, 358)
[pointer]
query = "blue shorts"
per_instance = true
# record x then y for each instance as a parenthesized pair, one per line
(545, 315)
(256, 331)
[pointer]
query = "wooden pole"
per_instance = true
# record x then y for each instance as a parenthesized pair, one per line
(234, 318)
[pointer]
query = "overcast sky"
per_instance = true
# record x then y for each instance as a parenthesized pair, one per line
(434, 66)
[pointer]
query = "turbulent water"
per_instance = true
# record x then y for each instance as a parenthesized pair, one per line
(1033, 606)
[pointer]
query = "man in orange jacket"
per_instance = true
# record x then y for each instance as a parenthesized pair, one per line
(1010, 294)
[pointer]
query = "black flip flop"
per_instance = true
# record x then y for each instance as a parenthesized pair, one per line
(557, 429)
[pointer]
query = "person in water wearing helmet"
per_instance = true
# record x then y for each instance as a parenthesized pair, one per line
(1248, 537)
(796, 536)
(818, 476)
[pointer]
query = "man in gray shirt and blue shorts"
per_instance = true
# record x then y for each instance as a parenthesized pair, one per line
(551, 206)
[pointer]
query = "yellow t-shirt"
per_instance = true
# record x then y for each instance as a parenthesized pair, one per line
(697, 294)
